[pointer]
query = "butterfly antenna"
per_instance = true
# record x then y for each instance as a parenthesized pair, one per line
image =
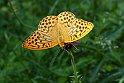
(75, 47)
(67, 51)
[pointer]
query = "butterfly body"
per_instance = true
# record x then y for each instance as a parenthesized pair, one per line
(54, 30)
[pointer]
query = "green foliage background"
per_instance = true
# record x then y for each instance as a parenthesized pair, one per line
(99, 57)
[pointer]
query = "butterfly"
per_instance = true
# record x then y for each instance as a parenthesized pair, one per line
(57, 30)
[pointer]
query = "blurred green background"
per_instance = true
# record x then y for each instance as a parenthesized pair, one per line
(99, 56)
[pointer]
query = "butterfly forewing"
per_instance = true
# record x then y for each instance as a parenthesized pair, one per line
(72, 28)
(44, 37)
(79, 29)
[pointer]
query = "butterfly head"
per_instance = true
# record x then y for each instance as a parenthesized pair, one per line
(70, 45)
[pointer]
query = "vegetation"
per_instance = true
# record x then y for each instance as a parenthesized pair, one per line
(99, 57)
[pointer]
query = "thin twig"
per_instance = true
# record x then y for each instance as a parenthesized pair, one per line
(53, 7)
(19, 20)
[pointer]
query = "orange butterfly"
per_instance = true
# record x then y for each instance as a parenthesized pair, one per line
(54, 30)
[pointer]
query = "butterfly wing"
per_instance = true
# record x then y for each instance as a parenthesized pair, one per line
(73, 29)
(65, 20)
(79, 29)
(45, 37)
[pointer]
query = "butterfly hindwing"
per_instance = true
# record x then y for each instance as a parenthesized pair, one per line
(65, 20)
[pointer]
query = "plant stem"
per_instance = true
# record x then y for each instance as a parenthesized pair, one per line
(74, 68)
